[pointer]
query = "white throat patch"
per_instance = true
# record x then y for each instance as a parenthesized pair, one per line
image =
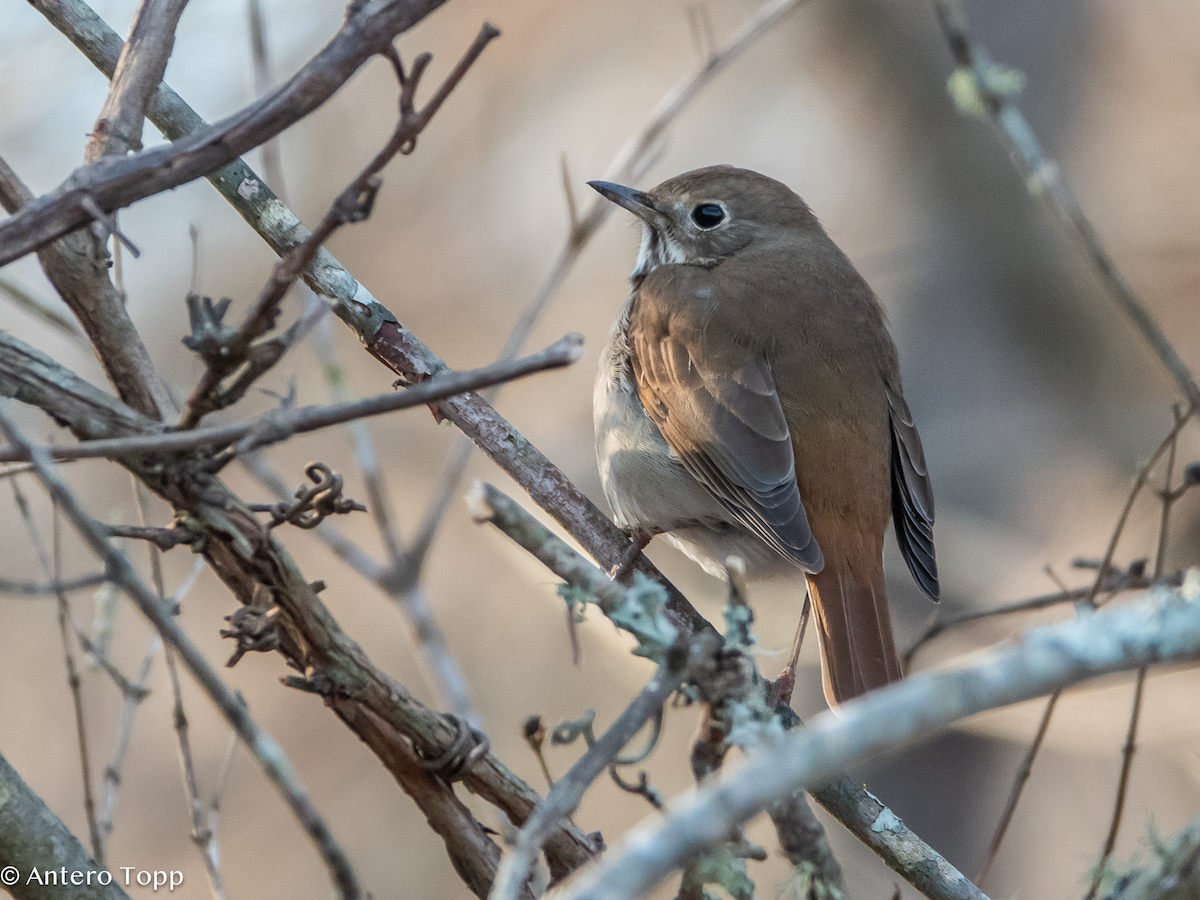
(657, 249)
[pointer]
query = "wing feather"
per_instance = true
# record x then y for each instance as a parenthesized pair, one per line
(727, 426)
(912, 495)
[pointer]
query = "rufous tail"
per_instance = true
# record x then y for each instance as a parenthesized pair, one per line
(858, 651)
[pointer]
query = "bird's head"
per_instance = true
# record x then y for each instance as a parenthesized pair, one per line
(706, 215)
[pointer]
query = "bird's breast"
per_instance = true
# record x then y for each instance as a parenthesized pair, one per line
(643, 479)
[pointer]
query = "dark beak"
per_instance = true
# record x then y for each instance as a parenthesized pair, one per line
(641, 205)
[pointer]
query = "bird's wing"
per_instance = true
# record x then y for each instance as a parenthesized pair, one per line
(912, 495)
(726, 424)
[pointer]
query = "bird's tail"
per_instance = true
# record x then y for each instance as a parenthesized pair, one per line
(858, 651)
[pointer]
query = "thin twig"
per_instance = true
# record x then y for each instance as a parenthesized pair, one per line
(261, 57)
(352, 205)
(1110, 840)
(281, 424)
(53, 568)
(160, 538)
(1167, 498)
(44, 588)
(985, 91)
(1019, 782)
(43, 312)
(563, 798)
(1114, 583)
(1102, 574)
(73, 678)
(1138, 484)
(113, 183)
(112, 772)
(214, 806)
(264, 748)
(201, 837)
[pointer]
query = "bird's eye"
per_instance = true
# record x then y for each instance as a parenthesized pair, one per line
(708, 215)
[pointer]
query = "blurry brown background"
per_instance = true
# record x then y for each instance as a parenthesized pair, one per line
(1036, 400)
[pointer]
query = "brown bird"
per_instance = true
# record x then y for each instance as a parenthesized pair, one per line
(749, 404)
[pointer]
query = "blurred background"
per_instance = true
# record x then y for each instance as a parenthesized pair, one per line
(1037, 401)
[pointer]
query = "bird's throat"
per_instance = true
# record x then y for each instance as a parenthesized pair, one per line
(658, 249)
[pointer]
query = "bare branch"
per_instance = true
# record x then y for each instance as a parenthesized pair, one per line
(272, 164)
(112, 772)
(40, 310)
(1102, 573)
(44, 588)
(264, 748)
(472, 852)
(1163, 627)
(77, 266)
(35, 839)
(352, 205)
(982, 88)
(202, 836)
(1114, 583)
(563, 798)
(386, 339)
(282, 424)
(143, 60)
(1166, 500)
(112, 183)
(856, 808)
(1020, 779)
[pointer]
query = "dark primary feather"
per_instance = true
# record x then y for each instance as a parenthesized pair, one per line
(728, 430)
(912, 496)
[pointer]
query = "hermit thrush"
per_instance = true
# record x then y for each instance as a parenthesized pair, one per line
(749, 404)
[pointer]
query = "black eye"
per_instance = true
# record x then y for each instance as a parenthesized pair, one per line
(708, 215)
